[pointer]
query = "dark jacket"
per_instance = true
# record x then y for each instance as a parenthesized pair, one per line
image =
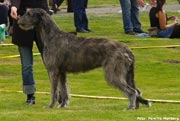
(3, 13)
(21, 37)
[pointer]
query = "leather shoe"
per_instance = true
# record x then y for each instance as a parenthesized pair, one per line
(30, 101)
(131, 33)
(139, 31)
(81, 30)
(89, 30)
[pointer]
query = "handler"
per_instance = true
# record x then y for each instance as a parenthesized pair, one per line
(24, 41)
(80, 17)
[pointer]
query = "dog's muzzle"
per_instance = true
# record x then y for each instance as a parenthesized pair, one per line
(24, 26)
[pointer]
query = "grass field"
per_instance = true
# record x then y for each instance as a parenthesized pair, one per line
(101, 3)
(157, 75)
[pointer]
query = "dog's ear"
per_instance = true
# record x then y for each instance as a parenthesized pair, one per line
(29, 12)
(41, 13)
(28, 9)
(35, 12)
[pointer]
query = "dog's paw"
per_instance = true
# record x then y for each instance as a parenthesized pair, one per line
(128, 109)
(131, 108)
(63, 105)
(149, 104)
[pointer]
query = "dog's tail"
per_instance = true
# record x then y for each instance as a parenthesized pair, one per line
(142, 100)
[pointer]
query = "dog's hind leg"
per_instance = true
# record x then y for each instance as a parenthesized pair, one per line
(130, 93)
(63, 91)
(131, 82)
(115, 74)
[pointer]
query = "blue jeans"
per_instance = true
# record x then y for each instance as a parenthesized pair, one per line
(166, 33)
(26, 55)
(130, 15)
(80, 17)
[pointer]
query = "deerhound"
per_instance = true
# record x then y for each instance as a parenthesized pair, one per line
(64, 52)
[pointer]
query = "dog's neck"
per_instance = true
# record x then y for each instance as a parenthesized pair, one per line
(47, 30)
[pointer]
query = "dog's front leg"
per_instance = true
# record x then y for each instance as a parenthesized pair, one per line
(63, 91)
(53, 80)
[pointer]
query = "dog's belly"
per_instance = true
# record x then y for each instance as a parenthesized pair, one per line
(82, 67)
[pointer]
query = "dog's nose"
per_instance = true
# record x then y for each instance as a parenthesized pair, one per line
(19, 21)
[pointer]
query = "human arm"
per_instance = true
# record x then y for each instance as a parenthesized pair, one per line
(6, 3)
(163, 20)
(2, 3)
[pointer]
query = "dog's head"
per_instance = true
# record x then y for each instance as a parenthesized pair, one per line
(31, 18)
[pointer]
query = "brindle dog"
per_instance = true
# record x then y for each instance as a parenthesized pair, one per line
(64, 52)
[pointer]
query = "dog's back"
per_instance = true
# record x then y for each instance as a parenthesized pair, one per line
(80, 54)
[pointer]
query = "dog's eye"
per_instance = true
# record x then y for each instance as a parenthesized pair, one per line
(29, 13)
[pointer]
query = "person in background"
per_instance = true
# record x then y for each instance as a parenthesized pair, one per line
(130, 15)
(158, 18)
(24, 40)
(57, 3)
(80, 17)
(4, 8)
(178, 1)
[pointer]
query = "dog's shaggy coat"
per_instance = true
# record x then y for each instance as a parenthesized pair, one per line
(64, 52)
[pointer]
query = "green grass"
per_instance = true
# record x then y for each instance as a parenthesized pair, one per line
(96, 3)
(104, 3)
(154, 76)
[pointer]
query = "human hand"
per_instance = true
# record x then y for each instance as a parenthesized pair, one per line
(173, 18)
(14, 12)
(152, 3)
(176, 20)
(141, 3)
